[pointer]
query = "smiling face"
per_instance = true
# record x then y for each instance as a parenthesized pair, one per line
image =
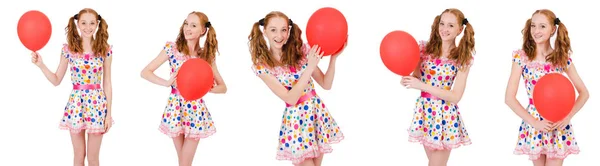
(541, 28)
(277, 32)
(449, 27)
(87, 24)
(192, 28)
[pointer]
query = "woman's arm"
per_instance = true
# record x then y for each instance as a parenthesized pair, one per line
(220, 87)
(510, 97)
(148, 71)
(581, 90)
(53, 77)
(107, 83)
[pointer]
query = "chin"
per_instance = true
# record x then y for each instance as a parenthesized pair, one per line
(278, 46)
(86, 35)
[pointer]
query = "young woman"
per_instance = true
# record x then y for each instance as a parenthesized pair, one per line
(187, 121)
(89, 56)
(441, 77)
(546, 143)
(287, 67)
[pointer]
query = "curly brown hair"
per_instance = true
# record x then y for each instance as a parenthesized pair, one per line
(292, 50)
(463, 53)
(560, 56)
(100, 45)
(211, 45)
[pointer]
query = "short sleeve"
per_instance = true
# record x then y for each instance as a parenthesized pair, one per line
(64, 52)
(109, 52)
(169, 48)
(519, 57)
(260, 69)
(569, 62)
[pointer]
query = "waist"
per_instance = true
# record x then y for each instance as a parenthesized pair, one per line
(176, 92)
(303, 98)
(428, 95)
(86, 87)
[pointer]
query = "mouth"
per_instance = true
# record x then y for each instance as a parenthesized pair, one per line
(188, 33)
(87, 31)
(537, 36)
(444, 34)
(280, 41)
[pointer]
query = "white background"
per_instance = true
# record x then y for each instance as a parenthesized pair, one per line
(367, 100)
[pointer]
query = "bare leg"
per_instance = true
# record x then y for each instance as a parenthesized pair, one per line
(93, 149)
(78, 141)
(540, 161)
(319, 160)
(188, 151)
(307, 162)
(554, 162)
(178, 141)
(439, 158)
(428, 152)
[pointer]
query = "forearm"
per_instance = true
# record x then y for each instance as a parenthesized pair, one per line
(581, 100)
(295, 93)
(153, 78)
(447, 95)
(330, 74)
(50, 76)
(518, 109)
(219, 89)
(108, 93)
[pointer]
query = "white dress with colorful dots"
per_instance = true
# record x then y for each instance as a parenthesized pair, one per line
(87, 106)
(307, 128)
(437, 123)
(190, 118)
(556, 144)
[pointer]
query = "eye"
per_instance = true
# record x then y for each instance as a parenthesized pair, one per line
(285, 30)
(194, 25)
(532, 26)
(543, 26)
(452, 26)
(442, 24)
(185, 23)
(272, 30)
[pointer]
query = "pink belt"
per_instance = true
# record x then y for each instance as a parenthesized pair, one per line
(304, 97)
(86, 87)
(428, 95)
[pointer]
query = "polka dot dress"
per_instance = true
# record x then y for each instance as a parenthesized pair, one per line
(190, 118)
(86, 108)
(556, 144)
(307, 128)
(437, 123)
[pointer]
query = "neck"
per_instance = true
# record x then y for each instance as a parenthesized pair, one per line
(543, 49)
(276, 53)
(86, 42)
(447, 46)
(191, 44)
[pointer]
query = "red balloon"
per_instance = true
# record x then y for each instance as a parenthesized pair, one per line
(34, 30)
(195, 79)
(399, 52)
(327, 27)
(554, 96)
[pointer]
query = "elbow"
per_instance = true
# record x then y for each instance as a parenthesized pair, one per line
(327, 87)
(291, 101)
(508, 100)
(585, 95)
(143, 74)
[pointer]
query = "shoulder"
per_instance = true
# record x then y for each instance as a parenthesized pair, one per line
(109, 50)
(423, 48)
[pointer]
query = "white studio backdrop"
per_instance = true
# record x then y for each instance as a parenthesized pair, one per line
(367, 100)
